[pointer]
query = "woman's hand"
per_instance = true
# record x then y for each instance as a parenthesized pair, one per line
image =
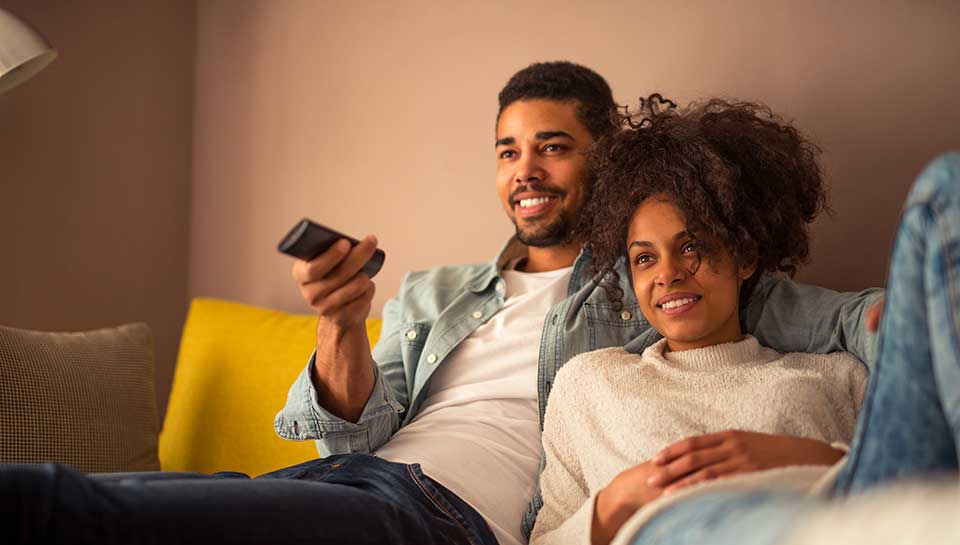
(717, 455)
(616, 503)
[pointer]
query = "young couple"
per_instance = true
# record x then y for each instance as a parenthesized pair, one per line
(702, 202)
(435, 436)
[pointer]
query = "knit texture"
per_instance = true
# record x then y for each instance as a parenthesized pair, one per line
(84, 399)
(610, 410)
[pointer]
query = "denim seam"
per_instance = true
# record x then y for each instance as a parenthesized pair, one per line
(943, 231)
(853, 463)
(455, 517)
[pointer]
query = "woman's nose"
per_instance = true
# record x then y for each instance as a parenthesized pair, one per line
(669, 272)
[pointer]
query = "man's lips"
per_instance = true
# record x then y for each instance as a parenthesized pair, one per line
(529, 204)
(677, 302)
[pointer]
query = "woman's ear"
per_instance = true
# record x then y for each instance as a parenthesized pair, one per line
(747, 270)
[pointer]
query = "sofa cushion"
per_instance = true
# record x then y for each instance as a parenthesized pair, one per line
(84, 399)
(235, 366)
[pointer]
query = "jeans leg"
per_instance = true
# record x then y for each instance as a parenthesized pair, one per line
(727, 518)
(908, 425)
(52, 504)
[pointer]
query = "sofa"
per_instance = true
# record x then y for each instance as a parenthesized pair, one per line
(87, 399)
(235, 365)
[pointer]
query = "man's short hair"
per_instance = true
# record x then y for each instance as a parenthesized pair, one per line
(565, 81)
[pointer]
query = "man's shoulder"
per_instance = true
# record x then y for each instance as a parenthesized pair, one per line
(445, 276)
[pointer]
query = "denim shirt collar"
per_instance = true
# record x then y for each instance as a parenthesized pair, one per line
(514, 249)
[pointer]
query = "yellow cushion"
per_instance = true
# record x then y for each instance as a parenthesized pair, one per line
(235, 366)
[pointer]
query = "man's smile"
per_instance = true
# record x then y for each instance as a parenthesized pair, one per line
(529, 204)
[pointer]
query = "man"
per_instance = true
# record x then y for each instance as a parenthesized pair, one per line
(450, 401)
(450, 385)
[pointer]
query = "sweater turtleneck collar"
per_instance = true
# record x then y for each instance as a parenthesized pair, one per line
(718, 356)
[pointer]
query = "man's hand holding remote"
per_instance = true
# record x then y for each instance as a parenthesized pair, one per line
(334, 285)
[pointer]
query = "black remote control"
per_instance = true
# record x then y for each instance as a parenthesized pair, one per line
(308, 239)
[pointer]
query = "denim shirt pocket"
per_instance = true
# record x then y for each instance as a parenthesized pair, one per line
(612, 325)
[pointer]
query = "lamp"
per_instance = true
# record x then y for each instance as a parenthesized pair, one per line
(23, 52)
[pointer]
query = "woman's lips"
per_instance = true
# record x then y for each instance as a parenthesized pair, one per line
(689, 303)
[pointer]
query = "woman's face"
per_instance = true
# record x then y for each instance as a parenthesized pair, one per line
(692, 304)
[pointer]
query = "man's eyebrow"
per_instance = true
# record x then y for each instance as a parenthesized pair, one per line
(542, 135)
(547, 135)
(648, 244)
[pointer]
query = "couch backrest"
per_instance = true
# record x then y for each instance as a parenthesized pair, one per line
(235, 366)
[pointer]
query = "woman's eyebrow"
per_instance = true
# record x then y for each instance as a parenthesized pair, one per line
(648, 244)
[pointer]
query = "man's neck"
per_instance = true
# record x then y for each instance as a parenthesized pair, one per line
(551, 258)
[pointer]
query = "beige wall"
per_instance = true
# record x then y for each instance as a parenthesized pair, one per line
(95, 172)
(378, 116)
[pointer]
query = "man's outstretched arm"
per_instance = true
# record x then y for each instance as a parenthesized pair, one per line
(792, 317)
(340, 398)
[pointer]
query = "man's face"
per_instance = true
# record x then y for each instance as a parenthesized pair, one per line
(541, 165)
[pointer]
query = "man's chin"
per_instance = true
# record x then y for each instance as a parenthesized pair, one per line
(553, 235)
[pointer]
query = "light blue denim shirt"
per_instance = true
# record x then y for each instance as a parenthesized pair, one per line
(438, 308)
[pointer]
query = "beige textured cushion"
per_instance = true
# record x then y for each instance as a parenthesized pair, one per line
(84, 399)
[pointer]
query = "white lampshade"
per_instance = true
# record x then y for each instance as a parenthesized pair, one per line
(23, 52)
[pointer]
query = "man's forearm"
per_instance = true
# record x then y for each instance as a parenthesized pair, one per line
(343, 374)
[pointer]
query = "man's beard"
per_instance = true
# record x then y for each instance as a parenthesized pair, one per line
(557, 233)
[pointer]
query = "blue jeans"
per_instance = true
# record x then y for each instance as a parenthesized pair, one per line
(909, 425)
(339, 500)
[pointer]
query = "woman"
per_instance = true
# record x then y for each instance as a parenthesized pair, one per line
(702, 201)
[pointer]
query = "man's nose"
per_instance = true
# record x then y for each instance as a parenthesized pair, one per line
(528, 169)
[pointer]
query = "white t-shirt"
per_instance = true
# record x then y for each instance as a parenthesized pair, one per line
(477, 432)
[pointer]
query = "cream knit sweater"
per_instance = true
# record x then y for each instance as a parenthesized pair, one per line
(610, 410)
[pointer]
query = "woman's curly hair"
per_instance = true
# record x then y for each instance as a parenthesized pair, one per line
(742, 177)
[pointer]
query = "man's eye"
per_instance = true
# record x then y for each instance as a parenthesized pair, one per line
(642, 259)
(554, 147)
(507, 154)
(689, 247)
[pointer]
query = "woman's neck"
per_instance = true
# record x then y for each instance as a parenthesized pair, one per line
(729, 332)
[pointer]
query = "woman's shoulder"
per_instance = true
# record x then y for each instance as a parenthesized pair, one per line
(587, 366)
(600, 358)
(836, 364)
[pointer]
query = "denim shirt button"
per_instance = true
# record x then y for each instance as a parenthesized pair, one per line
(478, 315)
(412, 334)
(432, 358)
(625, 315)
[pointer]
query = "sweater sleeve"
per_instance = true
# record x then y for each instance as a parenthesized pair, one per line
(859, 378)
(567, 511)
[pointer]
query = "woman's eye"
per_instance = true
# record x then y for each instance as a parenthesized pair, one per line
(689, 247)
(642, 259)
